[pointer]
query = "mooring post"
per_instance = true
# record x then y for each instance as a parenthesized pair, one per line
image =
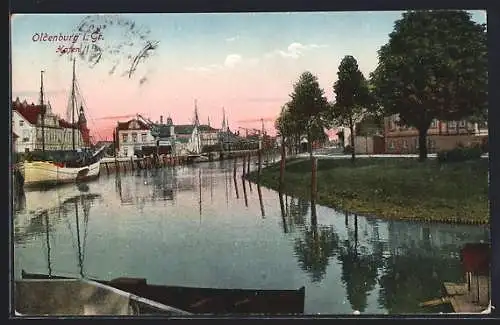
(259, 166)
(132, 163)
(235, 167)
(107, 167)
(248, 163)
(244, 165)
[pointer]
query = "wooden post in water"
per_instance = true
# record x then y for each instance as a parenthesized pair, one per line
(259, 166)
(260, 201)
(132, 163)
(248, 163)
(314, 189)
(283, 213)
(282, 166)
(235, 167)
(244, 191)
(346, 219)
(107, 167)
(244, 165)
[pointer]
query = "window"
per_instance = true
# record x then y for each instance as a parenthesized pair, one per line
(417, 144)
(452, 124)
(405, 144)
(124, 137)
(125, 151)
(431, 144)
(391, 144)
(21, 123)
(134, 137)
(144, 137)
(463, 123)
(434, 124)
(26, 135)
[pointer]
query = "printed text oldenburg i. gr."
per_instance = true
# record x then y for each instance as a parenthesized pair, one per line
(45, 37)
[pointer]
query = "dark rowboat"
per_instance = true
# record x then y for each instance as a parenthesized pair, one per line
(207, 300)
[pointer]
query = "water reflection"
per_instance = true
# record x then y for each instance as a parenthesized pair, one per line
(315, 247)
(264, 239)
(40, 225)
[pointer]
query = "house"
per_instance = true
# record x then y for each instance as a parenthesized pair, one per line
(209, 136)
(132, 136)
(441, 135)
(57, 133)
(143, 137)
(187, 139)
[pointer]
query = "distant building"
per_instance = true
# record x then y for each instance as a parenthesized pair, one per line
(441, 135)
(209, 136)
(143, 137)
(132, 136)
(58, 133)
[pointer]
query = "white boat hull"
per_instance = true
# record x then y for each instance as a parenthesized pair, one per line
(39, 173)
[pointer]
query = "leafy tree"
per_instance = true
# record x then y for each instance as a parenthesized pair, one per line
(288, 127)
(309, 106)
(370, 125)
(352, 96)
(433, 67)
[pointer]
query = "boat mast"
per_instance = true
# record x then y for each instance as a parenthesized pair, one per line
(73, 106)
(80, 259)
(42, 110)
(48, 242)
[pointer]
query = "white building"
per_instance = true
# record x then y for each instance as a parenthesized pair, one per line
(58, 133)
(209, 136)
(132, 136)
(135, 136)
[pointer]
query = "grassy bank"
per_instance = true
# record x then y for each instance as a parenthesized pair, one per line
(392, 188)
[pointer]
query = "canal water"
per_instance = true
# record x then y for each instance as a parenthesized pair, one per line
(194, 226)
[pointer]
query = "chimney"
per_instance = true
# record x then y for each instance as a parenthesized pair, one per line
(161, 119)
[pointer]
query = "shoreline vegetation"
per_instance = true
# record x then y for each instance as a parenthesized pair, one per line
(390, 188)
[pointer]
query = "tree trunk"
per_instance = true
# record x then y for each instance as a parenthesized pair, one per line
(422, 144)
(353, 151)
(309, 146)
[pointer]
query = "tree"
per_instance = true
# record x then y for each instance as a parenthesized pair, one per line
(309, 106)
(352, 96)
(433, 67)
(289, 128)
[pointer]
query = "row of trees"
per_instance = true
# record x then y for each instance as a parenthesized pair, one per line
(434, 66)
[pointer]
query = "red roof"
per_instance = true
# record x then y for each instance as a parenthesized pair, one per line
(31, 112)
(125, 125)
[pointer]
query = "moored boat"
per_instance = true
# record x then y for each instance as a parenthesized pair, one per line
(53, 167)
(207, 300)
(80, 297)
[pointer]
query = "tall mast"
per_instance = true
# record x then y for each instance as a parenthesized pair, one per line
(73, 106)
(42, 110)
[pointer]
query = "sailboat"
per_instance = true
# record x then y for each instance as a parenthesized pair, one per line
(48, 168)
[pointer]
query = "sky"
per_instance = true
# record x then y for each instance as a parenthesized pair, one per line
(242, 63)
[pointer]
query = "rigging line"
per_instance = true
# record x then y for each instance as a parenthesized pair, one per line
(69, 228)
(84, 102)
(85, 229)
(46, 215)
(80, 262)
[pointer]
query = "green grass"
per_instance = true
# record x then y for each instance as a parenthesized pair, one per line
(392, 188)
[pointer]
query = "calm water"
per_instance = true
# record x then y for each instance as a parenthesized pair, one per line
(193, 226)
